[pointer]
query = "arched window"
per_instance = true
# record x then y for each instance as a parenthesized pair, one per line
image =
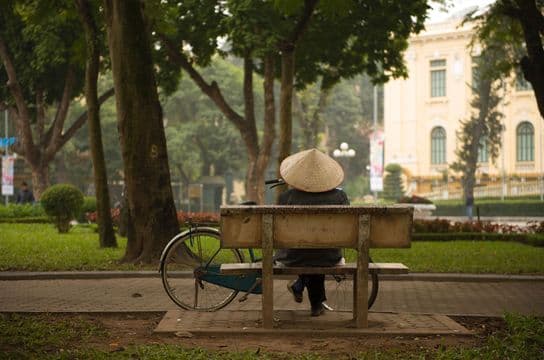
(525, 142)
(483, 155)
(438, 145)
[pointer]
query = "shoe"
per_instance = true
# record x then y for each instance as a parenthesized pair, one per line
(297, 296)
(318, 310)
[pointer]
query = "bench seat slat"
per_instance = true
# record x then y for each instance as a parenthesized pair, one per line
(349, 268)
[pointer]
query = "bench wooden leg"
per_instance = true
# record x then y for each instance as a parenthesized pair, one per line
(355, 298)
(267, 272)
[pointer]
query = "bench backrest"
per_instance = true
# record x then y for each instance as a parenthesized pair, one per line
(296, 226)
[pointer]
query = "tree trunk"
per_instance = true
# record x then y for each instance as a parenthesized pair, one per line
(310, 120)
(269, 131)
(484, 90)
(249, 132)
(316, 116)
(532, 23)
(61, 173)
(105, 225)
(40, 179)
(143, 141)
(251, 188)
(286, 108)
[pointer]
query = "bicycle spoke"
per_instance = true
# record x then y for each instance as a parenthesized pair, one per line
(199, 245)
(196, 294)
(204, 244)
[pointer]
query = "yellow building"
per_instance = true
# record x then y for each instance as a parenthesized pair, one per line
(423, 112)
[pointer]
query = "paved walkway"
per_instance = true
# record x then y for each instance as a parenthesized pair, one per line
(491, 298)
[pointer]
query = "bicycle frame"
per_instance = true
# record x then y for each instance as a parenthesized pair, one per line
(211, 273)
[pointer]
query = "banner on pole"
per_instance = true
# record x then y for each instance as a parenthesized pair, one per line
(7, 174)
(7, 141)
(376, 160)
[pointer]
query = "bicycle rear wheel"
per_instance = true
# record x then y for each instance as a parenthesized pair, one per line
(339, 289)
(190, 270)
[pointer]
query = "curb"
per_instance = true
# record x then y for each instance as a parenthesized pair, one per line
(101, 275)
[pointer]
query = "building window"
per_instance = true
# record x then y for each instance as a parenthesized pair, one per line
(525, 144)
(483, 156)
(438, 78)
(438, 145)
(521, 83)
(475, 75)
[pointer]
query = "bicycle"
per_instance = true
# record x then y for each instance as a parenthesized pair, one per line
(197, 254)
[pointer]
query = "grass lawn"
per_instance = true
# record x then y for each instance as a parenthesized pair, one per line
(39, 247)
(498, 257)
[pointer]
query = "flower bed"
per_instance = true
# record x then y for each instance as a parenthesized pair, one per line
(445, 226)
(183, 217)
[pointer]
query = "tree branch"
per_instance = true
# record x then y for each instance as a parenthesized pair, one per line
(40, 114)
(62, 112)
(17, 93)
(212, 90)
(249, 101)
(302, 24)
(269, 132)
(508, 9)
(81, 120)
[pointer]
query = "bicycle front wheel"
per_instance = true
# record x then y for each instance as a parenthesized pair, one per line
(190, 270)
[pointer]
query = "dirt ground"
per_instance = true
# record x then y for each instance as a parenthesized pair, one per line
(137, 329)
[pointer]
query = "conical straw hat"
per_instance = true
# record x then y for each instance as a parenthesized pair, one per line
(311, 171)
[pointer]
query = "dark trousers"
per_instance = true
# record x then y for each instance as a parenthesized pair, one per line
(315, 283)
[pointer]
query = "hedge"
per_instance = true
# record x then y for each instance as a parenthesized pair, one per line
(26, 220)
(12, 211)
(492, 208)
(529, 239)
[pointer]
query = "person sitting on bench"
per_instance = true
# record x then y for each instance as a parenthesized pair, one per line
(313, 177)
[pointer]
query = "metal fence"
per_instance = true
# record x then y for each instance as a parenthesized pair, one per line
(509, 188)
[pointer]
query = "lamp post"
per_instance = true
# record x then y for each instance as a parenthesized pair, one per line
(6, 151)
(343, 152)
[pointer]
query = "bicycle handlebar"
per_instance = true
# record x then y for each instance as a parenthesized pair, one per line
(274, 182)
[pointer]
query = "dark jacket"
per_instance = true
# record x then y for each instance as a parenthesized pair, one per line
(311, 257)
(25, 196)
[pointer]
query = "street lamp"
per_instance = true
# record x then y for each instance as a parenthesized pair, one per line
(344, 151)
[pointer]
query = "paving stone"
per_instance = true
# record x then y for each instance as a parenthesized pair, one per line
(118, 295)
(299, 322)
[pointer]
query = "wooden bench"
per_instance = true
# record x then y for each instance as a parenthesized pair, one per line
(283, 227)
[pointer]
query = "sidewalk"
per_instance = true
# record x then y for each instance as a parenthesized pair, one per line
(487, 297)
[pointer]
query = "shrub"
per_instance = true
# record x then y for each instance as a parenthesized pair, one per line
(197, 217)
(445, 226)
(392, 184)
(357, 187)
(115, 213)
(414, 199)
(62, 202)
(518, 207)
(89, 206)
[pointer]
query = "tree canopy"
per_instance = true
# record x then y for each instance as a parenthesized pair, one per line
(518, 27)
(42, 50)
(332, 42)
